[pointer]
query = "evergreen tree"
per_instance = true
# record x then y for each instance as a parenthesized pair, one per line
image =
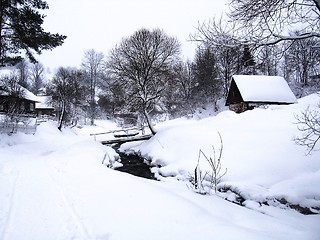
(20, 29)
(247, 62)
(206, 73)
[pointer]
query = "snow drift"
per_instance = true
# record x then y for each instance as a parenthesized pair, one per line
(53, 184)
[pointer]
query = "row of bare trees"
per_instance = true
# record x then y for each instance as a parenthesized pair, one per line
(31, 76)
(74, 90)
(145, 74)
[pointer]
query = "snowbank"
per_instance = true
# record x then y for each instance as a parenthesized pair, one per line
(53, 184)
(262, 160)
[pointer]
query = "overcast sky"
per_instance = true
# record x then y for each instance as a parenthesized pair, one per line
(101, 24)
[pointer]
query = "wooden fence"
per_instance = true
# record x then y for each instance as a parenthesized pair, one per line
(10, 128)
(26, 125)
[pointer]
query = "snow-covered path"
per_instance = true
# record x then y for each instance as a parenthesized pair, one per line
(34, 196)
(53, 186)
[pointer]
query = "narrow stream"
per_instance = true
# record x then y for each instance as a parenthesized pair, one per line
(133, 164)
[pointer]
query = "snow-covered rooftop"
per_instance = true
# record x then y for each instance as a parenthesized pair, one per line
(29, 95)
(25, 92)
(45, 102)
(259, 88)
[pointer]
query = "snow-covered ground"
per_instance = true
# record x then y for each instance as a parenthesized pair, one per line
(53, 184)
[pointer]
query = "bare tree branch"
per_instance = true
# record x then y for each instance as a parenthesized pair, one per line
(271, 20)
(309, 125)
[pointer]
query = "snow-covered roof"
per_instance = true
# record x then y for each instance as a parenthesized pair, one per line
(45, 102)
(25, 93)
(259, 88)
(29, 95)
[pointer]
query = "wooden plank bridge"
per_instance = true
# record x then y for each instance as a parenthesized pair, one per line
(126, 139)
(123, 136)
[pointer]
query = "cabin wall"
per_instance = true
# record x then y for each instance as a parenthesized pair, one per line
(45, 111)
(8, 103)
(239, 107)
(234, 95)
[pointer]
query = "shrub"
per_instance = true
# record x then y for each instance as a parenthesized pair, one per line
(204, 182)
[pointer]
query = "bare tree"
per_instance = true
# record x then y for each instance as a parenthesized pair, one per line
(269, 60)
(265, 22)
(303, 60)
(309, 125)
(216, 32)
(37, 76)
(180, 99)
(66, 86)
(24, 74)
(143, 65)
(223, 38)
(94, 65)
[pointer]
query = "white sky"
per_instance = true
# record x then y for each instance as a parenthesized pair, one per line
(101, 24)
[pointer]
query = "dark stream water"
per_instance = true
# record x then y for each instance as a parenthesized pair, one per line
(134, 164)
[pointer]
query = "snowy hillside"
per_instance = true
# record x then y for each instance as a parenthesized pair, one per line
(53, 184)
(263, 162)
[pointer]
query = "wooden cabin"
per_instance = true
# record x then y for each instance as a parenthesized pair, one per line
(45, 106)
(247, 91)
(22, 102)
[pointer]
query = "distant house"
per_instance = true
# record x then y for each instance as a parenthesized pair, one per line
(45, 106)
(248, 91)
(19, 100)
(17, 110)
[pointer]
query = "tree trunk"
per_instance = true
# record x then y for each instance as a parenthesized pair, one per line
(92, 111)
(61, 116)
(145, 113)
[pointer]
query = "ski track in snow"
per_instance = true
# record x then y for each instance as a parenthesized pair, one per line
(86, 234)
(49, 209)
(7, 204)
(54, 187)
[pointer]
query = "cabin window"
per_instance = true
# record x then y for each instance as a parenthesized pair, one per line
(1, 107)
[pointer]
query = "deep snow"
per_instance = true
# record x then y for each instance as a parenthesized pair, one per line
(53, 184)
